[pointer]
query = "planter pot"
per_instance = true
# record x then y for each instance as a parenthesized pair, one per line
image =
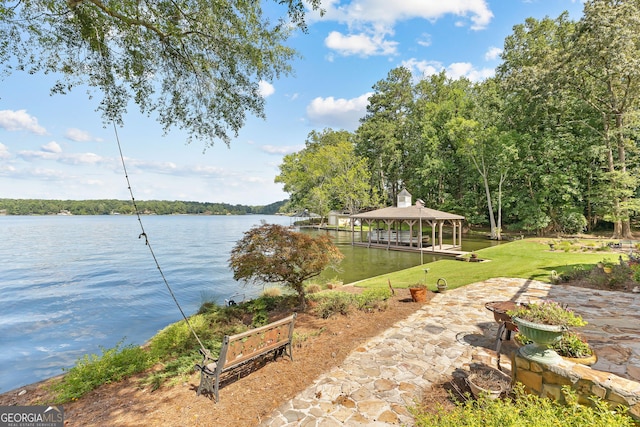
(500, 383)
(499, 310)
(418, 294)
(588, 360)
(542, 336)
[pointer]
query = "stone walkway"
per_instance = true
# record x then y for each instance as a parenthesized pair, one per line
(377, 382)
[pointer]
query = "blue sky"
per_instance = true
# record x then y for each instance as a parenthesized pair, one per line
(56, 147)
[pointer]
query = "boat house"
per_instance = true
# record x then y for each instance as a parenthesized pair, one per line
(402, 228)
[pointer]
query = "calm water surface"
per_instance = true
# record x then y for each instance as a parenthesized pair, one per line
(71, 285)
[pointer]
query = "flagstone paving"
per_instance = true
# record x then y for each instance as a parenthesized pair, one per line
(377, 382)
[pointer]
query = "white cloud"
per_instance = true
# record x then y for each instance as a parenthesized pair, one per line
(78, 135)
(421, 69)
(466, 69)
(49, 152)
(387, 13)
(281, 150)
(424, 40)
(20, 120)
(338, 113)
(52, 147)
(360, 44)
(265, 89)
(492, 53)
(4, 151)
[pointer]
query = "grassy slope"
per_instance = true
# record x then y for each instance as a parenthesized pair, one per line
(530, 258)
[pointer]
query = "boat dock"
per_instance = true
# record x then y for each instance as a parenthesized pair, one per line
(446, 250)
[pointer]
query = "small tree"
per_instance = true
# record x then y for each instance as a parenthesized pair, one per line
(272, 253)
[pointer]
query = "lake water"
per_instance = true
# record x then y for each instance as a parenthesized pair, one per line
(71, 285)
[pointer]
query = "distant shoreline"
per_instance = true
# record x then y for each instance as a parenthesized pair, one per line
(43, 207)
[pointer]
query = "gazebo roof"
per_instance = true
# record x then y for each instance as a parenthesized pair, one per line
(410, 212)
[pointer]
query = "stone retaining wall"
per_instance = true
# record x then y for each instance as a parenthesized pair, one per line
(547, 381)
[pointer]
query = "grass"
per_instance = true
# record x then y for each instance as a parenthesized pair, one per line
(529, 259)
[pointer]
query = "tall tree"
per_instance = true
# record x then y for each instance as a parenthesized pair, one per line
(491, 150)
(383, 132)
(327, 174)
(603, 68)
(546, 114)
(193, 63)
(437, 170)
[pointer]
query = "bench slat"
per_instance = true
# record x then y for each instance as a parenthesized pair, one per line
(245, 358)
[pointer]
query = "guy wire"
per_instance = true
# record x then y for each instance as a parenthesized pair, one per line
(148, 243)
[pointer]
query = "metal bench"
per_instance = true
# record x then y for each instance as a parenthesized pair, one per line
(242, 348)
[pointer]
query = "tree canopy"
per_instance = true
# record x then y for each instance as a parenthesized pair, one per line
(194, 64)
(327, 174)
(271, 253)
(548, 145)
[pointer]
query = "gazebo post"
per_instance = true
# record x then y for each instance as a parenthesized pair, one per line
(433, 236)
(453, 224)
(440, 223)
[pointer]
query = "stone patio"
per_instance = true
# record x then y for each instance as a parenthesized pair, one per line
(377, 382)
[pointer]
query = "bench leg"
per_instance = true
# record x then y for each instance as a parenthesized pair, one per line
(206, 384)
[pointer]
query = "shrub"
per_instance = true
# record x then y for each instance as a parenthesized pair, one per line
(313, 288)
(524, 410)
(330, 303)
(572, 222)
(260, 313)
(576, 273)
(272, 291)
(178, 339)
(620, 274)
(94, 370)
(373, 299)
(636, 272)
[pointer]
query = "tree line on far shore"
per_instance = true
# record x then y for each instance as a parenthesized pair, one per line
(125, 207)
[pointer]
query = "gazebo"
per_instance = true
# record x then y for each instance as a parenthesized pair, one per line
(387, 227)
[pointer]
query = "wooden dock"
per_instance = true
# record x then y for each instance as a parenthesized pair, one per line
(445, 250)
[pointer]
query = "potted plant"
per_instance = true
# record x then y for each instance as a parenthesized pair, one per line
(489, 382)
(418, 292)
(607, 267)
(571, 346)
(543, 323)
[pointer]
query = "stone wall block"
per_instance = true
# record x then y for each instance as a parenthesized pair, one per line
(531, 380)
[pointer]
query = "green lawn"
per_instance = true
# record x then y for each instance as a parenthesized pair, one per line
(530, 258)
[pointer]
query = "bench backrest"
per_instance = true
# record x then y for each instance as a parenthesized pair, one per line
(240, 348)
